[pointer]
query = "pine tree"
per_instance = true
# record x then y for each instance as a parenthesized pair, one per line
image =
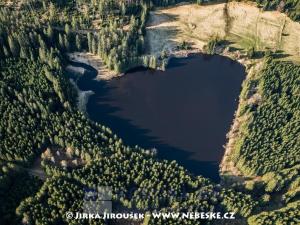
(74, 23)
(99, 49)
(23, 53)
(61, 41)
(123, 9)
(67, 43)
(78, 42)
(6, 52)
(153, 63)
(89, 37)
(14, 46)
(67, 30)
(50, 34)
(117, 67)
(146, 61)
(163, 66)
(94, 45)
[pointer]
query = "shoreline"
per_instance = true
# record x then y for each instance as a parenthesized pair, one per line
(195, 28)
(82, 97)
(227, 166)
(252, 67)
(103, 73)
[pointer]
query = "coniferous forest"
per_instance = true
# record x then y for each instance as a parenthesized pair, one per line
(38, 112)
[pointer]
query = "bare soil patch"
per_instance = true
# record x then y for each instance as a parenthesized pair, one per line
(95, 61)
(242, 24)
(62, 157)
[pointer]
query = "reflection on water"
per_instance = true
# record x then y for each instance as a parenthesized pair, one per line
(184, 112)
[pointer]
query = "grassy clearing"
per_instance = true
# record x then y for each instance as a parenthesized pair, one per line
(244, 26)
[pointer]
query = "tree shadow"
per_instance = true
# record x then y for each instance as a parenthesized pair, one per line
(102, 112)
(161, 37)
(279, 54)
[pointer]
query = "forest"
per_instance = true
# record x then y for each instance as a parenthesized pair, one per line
(290, 7)
(38, 108)
(274, 127)
(35, 121)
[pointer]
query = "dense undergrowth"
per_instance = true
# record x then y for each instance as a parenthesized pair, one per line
(38, 111)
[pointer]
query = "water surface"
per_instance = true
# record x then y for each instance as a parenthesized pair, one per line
(184, 112)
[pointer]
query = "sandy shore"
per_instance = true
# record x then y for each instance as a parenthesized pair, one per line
(95, 61)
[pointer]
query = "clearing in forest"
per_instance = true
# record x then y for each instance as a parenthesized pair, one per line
(242, 24)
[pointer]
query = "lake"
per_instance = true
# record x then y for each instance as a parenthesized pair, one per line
(183, 112)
